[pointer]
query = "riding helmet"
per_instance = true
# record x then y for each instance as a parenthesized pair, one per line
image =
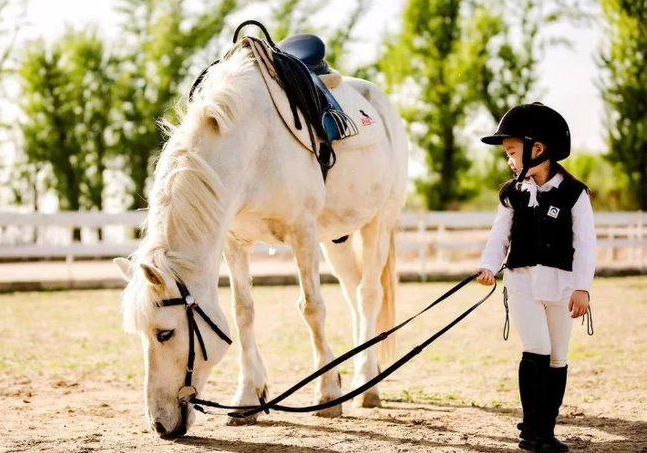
(534, 122)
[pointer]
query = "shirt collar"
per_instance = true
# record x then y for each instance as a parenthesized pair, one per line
(553, 182)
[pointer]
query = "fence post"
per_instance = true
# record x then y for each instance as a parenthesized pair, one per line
(640, 235)
(69, 259)
(440, 237)
(422, 246)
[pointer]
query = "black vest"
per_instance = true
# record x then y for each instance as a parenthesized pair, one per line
(543, 234)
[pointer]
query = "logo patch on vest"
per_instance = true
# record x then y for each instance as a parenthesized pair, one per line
(553, 212)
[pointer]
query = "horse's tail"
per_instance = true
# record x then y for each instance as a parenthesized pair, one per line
(386, 317)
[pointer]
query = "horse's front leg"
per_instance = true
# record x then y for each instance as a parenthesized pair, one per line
(252, 378)
(311, 304)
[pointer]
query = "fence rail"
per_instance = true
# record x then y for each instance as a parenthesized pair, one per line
(430, 237)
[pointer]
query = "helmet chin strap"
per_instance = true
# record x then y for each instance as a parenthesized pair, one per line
(527, 161)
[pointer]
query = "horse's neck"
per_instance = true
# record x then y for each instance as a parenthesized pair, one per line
(230, 154)
(205, 250)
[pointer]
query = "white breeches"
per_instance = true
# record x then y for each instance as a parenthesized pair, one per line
(544, 326)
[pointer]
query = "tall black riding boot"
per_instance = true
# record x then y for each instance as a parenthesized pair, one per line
(546, 441)
(533, 369)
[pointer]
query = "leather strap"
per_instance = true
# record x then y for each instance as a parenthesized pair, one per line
(527, 161)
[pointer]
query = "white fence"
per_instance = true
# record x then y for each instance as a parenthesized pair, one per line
(432, 238)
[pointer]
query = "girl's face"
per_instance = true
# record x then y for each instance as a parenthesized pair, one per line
(513, 148)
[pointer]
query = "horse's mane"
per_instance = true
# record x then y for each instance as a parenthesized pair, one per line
(185, 203)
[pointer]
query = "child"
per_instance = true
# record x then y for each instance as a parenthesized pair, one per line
(544, 224)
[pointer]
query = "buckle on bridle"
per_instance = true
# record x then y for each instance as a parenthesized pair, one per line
(190, 301)
(186, 394)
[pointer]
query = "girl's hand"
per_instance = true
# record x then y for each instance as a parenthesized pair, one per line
(579, 303)
(486, 277)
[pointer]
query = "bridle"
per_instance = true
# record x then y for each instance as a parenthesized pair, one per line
(188, 392)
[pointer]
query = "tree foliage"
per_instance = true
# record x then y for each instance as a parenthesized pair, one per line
(624, 90)
(67, 97)
(453, 56)
(290, 17)
(427, 58)
(161, 37)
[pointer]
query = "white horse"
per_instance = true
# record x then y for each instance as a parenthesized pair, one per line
(231, 175)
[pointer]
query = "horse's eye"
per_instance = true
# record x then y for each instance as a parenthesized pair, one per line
(164, 335)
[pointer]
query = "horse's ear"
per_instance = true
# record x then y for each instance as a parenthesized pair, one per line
(152, 274)
(125, 266)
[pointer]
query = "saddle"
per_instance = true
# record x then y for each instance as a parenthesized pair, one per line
(311, 50)
(308, 108)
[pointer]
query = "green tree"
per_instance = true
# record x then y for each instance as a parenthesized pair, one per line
(505, 69)
(427, 61)
(290, 17)
(624, 90)
(608, 182)
(161, 36)
(66, 100)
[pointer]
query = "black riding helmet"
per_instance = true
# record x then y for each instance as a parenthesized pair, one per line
(534, 123)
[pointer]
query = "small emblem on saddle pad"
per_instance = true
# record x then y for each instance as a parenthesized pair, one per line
(553, 212)
(366, 120)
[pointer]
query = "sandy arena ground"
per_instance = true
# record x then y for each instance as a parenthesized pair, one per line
(71, 380)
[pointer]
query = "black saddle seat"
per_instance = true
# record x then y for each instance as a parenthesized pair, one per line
(310, 49)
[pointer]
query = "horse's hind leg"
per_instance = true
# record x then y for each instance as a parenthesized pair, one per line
(375, 250)
(252, 378)
(311, 303)
(343, 260)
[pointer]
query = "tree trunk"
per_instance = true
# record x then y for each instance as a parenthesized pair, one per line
(448, 172)
(643, 181)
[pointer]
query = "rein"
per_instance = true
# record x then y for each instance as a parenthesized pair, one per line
(188, 394)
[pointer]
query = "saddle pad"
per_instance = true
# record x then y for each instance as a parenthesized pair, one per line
(352, 103)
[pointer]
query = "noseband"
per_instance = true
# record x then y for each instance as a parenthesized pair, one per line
(187, 393)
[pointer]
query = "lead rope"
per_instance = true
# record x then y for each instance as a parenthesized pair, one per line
(589, 321)
(272, 404)
(588, 316)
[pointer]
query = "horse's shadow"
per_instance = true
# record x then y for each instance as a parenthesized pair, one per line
(239, 446)
(633, 433)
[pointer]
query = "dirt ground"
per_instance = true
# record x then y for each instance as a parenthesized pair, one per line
(72, 381)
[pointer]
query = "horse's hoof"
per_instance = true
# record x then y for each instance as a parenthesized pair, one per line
(367, 399)
(331, 412)
(244, 421)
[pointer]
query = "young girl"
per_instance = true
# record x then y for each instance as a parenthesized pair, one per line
(544, 225)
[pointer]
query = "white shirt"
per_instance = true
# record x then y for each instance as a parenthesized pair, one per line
(546, 283)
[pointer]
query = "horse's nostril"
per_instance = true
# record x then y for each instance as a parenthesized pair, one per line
(159, 428)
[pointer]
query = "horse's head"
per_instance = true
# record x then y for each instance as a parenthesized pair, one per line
(164, 331)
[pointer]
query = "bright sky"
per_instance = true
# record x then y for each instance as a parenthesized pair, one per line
(566, 82)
